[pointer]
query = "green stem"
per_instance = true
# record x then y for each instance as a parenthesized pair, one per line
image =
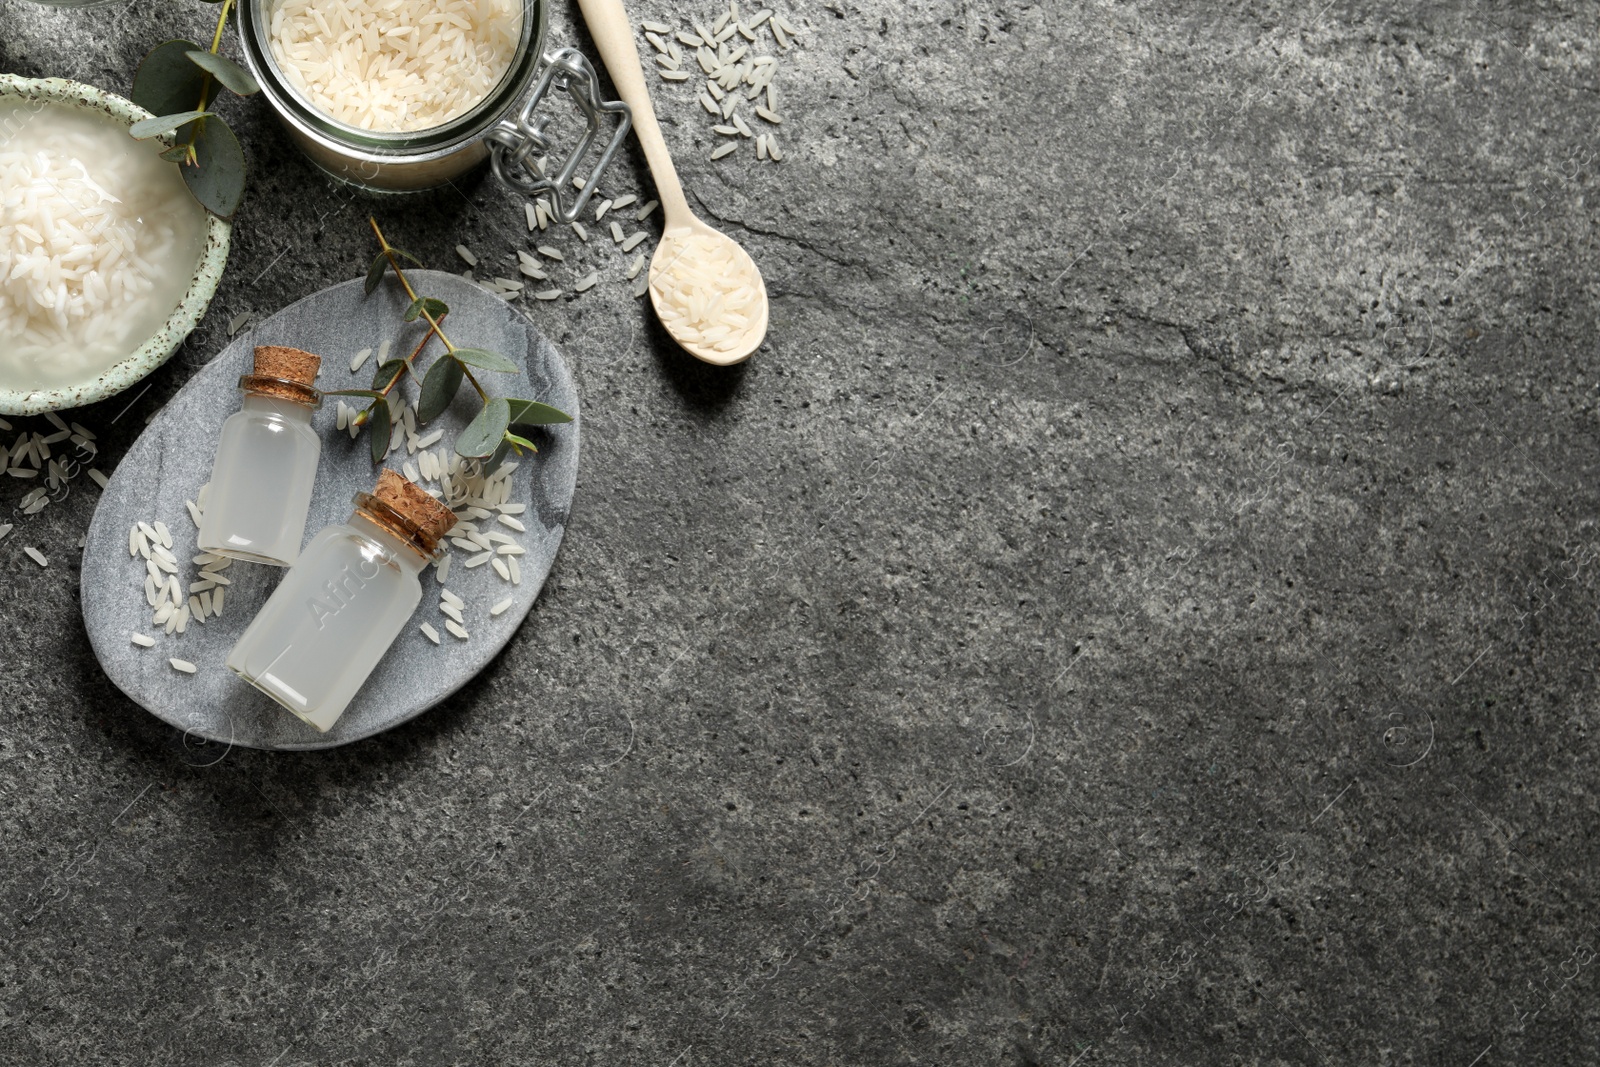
(222, 20)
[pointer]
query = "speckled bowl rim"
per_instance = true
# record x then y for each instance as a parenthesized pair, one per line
(202, 286)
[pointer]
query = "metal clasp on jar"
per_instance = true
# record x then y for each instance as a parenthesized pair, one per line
(520, 152)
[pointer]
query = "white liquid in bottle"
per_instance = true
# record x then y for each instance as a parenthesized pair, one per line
(340, 607)
(261, 482)
(266, 462)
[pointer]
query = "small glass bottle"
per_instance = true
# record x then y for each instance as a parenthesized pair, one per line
(343, 603)
(266, 462)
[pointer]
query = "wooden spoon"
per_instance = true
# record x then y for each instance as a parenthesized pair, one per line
(688, 246)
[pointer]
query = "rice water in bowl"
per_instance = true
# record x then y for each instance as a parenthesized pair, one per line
(403, 95)
(106, 261)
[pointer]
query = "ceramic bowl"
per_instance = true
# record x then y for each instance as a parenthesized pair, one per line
(158, 348)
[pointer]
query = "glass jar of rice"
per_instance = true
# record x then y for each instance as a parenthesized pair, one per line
(402, 95)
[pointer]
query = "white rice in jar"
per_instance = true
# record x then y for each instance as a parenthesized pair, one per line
(395, 65)
(99, 239)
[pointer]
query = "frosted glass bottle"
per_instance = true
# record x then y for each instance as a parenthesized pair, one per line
(334, 615)
(266, 463)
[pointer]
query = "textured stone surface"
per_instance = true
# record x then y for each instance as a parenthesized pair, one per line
(172, 460)
(1139, 607)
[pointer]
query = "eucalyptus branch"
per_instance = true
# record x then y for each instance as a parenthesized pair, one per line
(173, 75)
(488, 436)
(433, 325)
(190, 159)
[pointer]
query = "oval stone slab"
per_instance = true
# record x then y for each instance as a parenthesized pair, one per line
(172, 460)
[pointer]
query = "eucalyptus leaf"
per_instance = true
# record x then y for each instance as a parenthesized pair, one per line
(482, 357)
(160, 124)
(166, 82)
(217, 178)
(521, 442)
(380, 263)
(437, 308)
(178, 153)
(233, 77)
(381, 429)
(439, 387)
(403, 254)
(483, 434)
(370, 394)
(533, 413)
(387, 372)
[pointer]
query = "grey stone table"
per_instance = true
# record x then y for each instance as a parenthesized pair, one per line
(1139, 607)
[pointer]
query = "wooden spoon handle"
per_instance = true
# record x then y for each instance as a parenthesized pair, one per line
(613, 35)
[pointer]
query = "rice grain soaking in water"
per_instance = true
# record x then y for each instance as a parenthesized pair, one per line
(343, 603)
(266, 462)
(99, 239)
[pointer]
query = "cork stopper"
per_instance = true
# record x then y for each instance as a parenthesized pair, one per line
(429, 519)
(278, 361)
(295, 372)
